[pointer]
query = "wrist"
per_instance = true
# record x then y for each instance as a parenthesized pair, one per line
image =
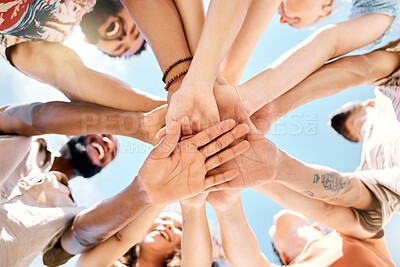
(230, 207)
(139, 192)
(198, 84)
(246, 98)
(173, 88)
(189, 208)
(283, 167)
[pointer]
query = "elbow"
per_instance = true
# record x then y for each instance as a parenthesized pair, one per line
(79, 238)
(37, 118)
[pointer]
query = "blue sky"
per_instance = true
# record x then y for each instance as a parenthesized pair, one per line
(303, 133)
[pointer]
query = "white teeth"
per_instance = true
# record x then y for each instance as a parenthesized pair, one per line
(100, 149)
(164, 235)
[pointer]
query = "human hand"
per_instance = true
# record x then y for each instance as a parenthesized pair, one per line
(193, 101)
(174, 171)
(151, 123)
(222, 199)
(227, 98)
(257, 165)
(264, 118)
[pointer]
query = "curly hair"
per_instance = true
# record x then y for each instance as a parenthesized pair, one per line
(131, 256)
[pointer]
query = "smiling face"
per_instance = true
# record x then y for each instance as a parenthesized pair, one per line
(102, 148)
(89, 154)
(163, 238)
(111, 28)
(302, 13)
(119, 35)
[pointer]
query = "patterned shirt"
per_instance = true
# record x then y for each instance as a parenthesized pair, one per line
(32, 20)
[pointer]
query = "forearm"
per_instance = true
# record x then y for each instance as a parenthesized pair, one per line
(339, 218)
(303, 59)
(67, 118)
(62, 68)
(323, 183)
(223, 22)
(238, 240)
(333, 78)
(160, 23)
(192, 16)
(196, 238)
(105, 253)
(257, 19)
(94, 225)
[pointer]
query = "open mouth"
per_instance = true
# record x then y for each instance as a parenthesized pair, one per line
(165, 235)
(100, 149)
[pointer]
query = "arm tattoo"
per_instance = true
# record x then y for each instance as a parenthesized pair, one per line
(332, 181)
(12, 111)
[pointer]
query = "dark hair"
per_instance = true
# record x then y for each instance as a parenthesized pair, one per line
(277, 253)
(101, 11)
(80, 158)
(92, 20)
(130, 257)
(137, 53)
(338, 119)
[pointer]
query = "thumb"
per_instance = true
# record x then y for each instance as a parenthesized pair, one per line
(161, 133)
(243, 118)
(169, 142)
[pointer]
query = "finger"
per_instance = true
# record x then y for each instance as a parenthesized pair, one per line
(220, 178)
(209, 134)
(196, 126)
(185, 125)
(227, 155)
(243, 117)
(168, 144)
(161, 133)
(224, 140)
(223, 186)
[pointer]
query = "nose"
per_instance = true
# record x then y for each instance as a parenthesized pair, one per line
(168, 224)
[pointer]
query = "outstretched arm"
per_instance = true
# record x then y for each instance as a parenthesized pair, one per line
(339, 218)
(300, 61)
(195, 96)
(257, 19)
(161, 25)
(78, 118)
(196, 239)
(238, 240)
(328, 80)
(105, 253)
(163, 178)
(264, 163)
(192, 16)
(62, 68)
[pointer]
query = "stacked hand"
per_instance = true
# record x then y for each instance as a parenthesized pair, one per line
(257, 165)
(152, 122)
(222, 199)
(177, 170)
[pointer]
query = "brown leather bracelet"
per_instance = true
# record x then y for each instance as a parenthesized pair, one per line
(173, 79)
(173, 65)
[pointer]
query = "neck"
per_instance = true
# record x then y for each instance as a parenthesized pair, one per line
(65, 166)
(149, 261)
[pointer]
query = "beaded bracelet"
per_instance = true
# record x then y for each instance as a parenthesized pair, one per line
(173, 79)
(173, 65)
